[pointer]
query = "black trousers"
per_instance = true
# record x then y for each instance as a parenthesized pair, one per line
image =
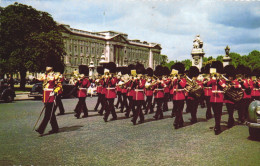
(242, 106)
(230, 109)
(131, 105)
(159, 111)
(104, 104)
(119, 99)
(178, 107)
(49, 116)
(59, 104)
(110, 108)
(217, 109)
(192, 107)
(81, 106)
(138, 110)
(165, 101)
(208, 104)
(98, 101)
(124, 102)
(149, 104)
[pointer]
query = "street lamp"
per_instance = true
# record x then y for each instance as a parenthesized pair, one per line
(102, 59)
(227, 49)
(91, 68)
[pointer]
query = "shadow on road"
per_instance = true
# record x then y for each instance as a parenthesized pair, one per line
(65, 129)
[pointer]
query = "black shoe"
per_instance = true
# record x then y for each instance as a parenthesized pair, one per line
(84, 116)
(116, 106)
(146, 112)
(155, 117)
(121, 111)
(105, 119)
(95, 110)
(141, 121)
(208, 116)
(193, 121)
(127, 115)
(77, 116)
(113, 119)
(38, 131)
(100, 113)
(230, 123)
(161, 117)
(53, 131)
(134, 122)
(60, 114)
(173, 115)
(217, 130)
(176, 126)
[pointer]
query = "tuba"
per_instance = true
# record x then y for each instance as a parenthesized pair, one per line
(193, 88)
(231, 93)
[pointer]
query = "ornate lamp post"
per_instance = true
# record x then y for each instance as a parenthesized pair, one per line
(226, 59)
(91, 68)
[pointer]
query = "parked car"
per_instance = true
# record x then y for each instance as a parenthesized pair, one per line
(68, 91)
(6, 93)
(254, 119)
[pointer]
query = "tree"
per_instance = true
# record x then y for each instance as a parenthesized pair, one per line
(220, 58)
(169, 64)
(164, 59)
(253, 59)
(236, 59)
(30, 40)
(187, 63)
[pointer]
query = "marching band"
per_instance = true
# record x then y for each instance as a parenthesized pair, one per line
(139, 89)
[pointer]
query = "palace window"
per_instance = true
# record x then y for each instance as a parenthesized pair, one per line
(81, 49)
(81, 61)
(70, 48)
(75, 62)
(87, 61)
(75, 48)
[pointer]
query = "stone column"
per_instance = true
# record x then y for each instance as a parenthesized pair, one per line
(107, 52)
(150, 58)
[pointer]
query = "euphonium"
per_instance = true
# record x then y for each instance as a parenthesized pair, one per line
(194, 89)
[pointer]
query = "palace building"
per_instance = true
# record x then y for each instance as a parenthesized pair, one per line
(83, 47)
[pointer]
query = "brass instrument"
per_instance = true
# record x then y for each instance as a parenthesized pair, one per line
(193, 88)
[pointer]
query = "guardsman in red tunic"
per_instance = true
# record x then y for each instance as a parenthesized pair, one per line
(207, 91)
(49, 93)
(98, 83)
(59, 80)
(178, 84)
(119, 91)
(82, 84)
(230, 82)
(192, 101)
(158, 89)
(246, 86)
(130, 94)
(217, 96)
(138, 98)
(256, 83)
(110, 83)
(149, 95)
(166, 89)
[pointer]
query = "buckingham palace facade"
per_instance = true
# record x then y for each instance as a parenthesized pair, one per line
(83, 47)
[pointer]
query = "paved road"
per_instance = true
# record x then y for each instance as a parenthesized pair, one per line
(91, 141)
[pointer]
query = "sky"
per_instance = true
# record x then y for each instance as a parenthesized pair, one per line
(172, 23)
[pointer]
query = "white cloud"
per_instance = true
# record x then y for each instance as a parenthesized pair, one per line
(173, 24)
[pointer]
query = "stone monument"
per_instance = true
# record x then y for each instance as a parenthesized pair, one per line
(197, 52)
(226, 59)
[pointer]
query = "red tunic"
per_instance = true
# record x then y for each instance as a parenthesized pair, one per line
(255, 90)
(178, 89)
(217, 95)
(83, 87)
(110, 88)
(167, 83)
(48, 94)
(130, 91)
(207, 89)
(158, 90)
(139, 89)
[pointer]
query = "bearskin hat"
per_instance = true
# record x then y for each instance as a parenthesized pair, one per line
(193, 72)
(166, 71)
(140, 68)
(240, 69)
(83, 69)
(230, 71)
(100, 70)
(111, 66)
(149, 71)
(218, 66)
(248, 72)
(256, 72)
(207, 68)
(158, 71)
(178, 66)
(129, 68)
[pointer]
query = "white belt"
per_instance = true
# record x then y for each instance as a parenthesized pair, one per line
(139, 90)
(178, 89)
(82, 88)
(48, 89)
(158, 89)
(217, 91)
(208, 87)
(255, 89)
(111, 88)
